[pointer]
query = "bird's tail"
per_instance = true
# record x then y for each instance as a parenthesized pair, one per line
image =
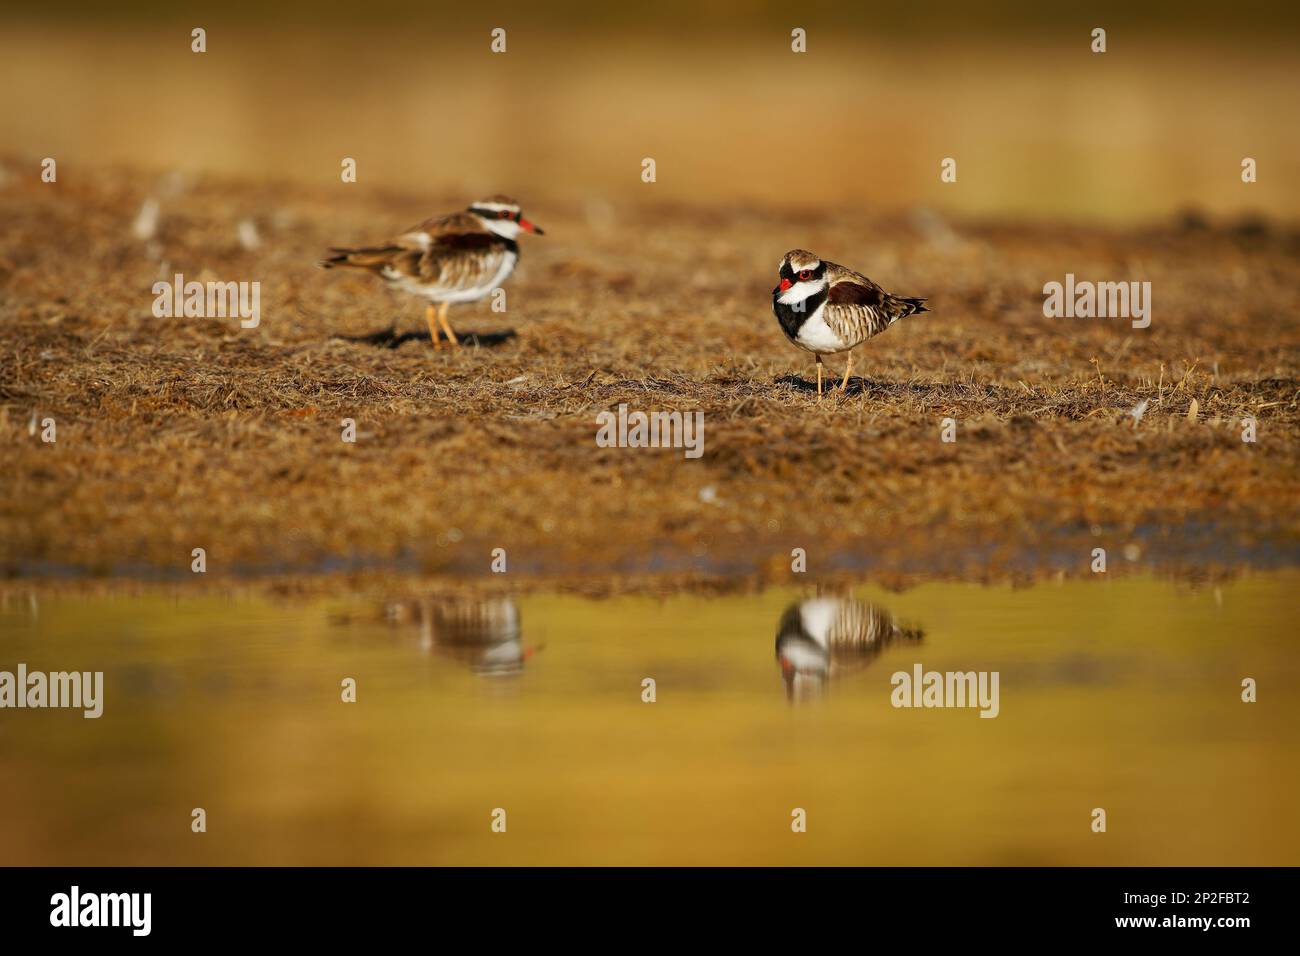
(366, 258)
(913, 304)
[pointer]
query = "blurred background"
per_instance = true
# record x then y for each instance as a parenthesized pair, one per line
(1040, 126)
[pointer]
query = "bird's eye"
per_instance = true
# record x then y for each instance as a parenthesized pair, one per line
(503, 214)
(805, 275)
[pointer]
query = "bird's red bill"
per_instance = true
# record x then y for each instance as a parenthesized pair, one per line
(530, 227)
(785, 284)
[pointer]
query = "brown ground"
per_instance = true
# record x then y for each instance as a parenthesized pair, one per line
(183, 433)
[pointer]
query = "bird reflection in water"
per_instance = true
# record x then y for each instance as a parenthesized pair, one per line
(824, 638)
(484, 635)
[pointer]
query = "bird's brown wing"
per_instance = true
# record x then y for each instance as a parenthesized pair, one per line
(458, 223)
(464, 260)
(857, 308)
(454, 252)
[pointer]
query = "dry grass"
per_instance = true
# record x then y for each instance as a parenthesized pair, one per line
(183, 433)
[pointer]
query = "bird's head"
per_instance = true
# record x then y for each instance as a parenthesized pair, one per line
(501, 215)
(801, 274)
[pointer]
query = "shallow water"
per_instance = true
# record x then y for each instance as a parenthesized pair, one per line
(1124, 695)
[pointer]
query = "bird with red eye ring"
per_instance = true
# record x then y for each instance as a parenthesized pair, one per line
(461, 257)
(826, 309)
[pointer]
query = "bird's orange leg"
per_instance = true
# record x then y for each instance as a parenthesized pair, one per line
(847, 368)
(819, 375)
(446, 326)
(431, 316)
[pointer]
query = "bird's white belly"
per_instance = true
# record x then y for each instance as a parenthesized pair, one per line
(817, 617)
(816, 336)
